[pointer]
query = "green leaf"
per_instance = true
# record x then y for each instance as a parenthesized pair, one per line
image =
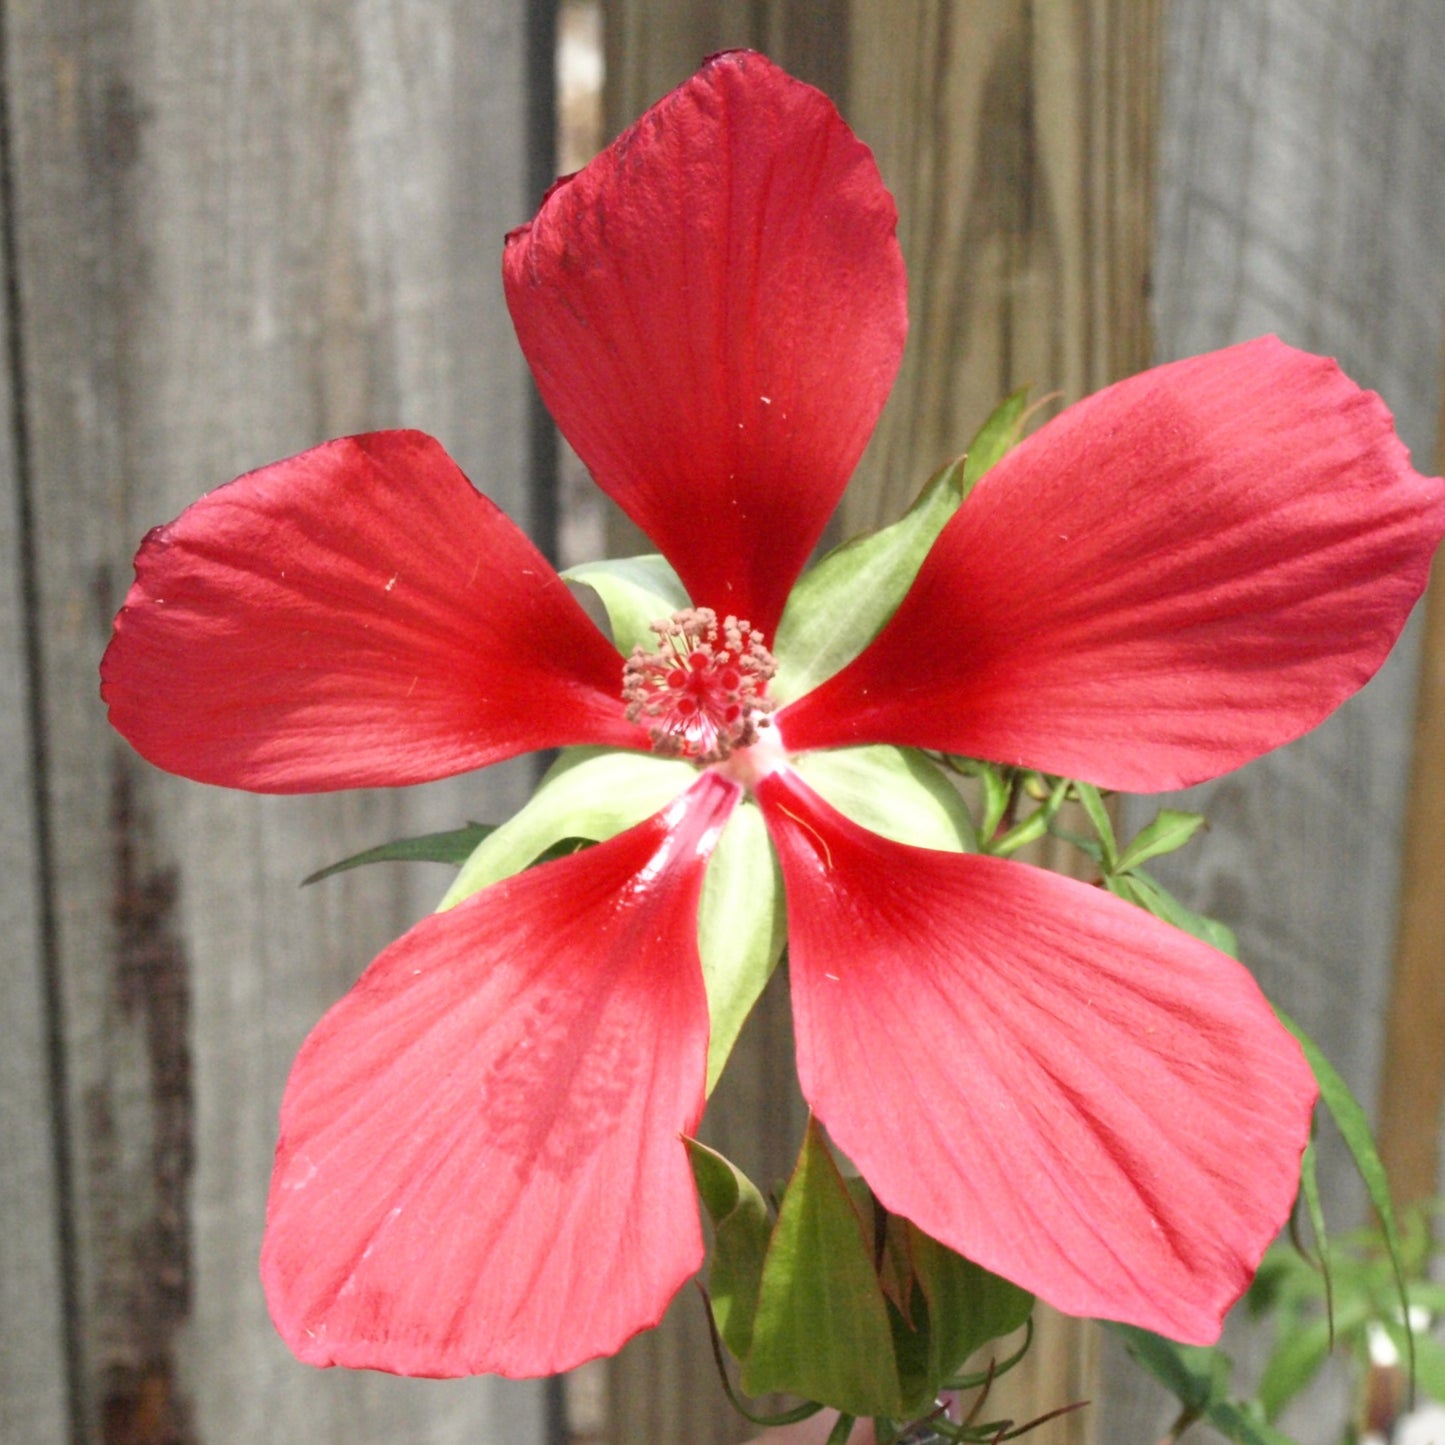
(995, 438)
(590, 793)
(1235, 1424)
(742, 928)
(840, 605)
(1350, 1119)
(1139, 888)
(1098, 814)
(1196, 1375)
(1032, 828)
(454, 847)
(893, 791)
(1169, 831)
(1310, 1191)
(1296, 1359)
(1429, 1358)
(822, 1328)
(636, 591)
(741, 1230)
(967, 1306)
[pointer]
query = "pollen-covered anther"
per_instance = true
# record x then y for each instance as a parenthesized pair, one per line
(701, 692)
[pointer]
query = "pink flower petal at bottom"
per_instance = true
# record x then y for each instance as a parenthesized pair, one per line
(480, 1166)
(1068, 1091)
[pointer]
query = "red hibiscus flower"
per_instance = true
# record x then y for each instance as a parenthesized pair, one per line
(480, 1166)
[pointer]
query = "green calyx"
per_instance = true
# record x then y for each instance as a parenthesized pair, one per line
(840, 605)
(836, 1301)
(591, 793)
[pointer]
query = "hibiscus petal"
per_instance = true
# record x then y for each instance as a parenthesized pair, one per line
(714, 311)
(481, 1166)
(356, 616)
(1069, 1092)
(1174, 576)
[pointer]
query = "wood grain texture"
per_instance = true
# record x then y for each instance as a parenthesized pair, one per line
(35, 1378)
(1300, 191)
(239, 230)
(1017, 138)
(1412, 1083)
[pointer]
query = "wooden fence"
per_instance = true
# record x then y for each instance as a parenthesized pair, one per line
(227, 232)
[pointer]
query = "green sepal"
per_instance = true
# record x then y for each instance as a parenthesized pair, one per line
(1169, 831)
(822, 1329)
(996, 437)
(897, 792)
(741, 1230)
(592, 793)
(840, 605)
(636, 591)
(967, 1306)
(1141, 889)
(454, 847)
(741, 929)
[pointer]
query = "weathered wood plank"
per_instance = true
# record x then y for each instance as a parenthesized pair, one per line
(1300, 192)
(34, 1358)
(239, 230)
(1018, 141)
(1412, 1082)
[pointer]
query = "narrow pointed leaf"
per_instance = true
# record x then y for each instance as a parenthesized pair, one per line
(1310, 1193)
(822, 1326)
(453, 847)
(996, 437)
(741, 1231)
(1354, 1126)
(1171, 830)
(1150, 895)
(1097, 813)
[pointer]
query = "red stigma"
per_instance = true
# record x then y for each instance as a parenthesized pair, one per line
(701, 692)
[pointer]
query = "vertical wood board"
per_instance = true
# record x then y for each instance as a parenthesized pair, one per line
(34, 1366)
(240, 230)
